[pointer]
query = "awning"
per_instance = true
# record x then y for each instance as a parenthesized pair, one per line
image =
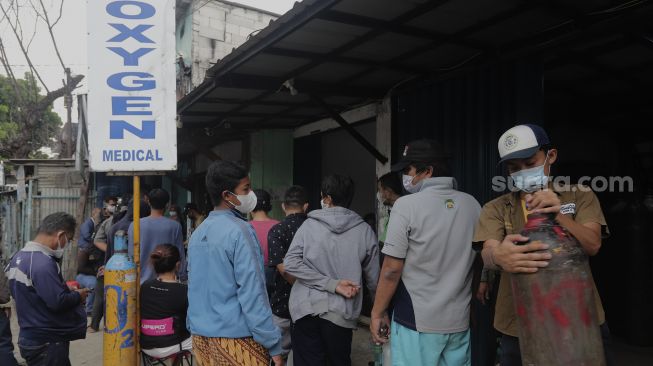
(342, 54)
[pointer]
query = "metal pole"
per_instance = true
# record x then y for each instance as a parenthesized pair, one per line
(68, 104)
(28, 222)
(137, 261)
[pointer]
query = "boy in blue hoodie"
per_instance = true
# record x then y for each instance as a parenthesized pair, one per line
(50, 315)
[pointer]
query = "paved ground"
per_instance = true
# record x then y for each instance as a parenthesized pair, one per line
(83, 352)
(89, 351)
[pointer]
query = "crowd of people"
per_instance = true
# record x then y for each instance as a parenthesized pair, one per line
(241, 292)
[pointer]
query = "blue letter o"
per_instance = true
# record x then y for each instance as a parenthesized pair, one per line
(146, 10)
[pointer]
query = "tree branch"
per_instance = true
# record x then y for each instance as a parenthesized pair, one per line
(60, 14)
(22, 47)
(10, 72)
(29, 44)
(56, 94)
(50, 27)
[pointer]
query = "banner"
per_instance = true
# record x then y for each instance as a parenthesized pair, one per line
(132, 82)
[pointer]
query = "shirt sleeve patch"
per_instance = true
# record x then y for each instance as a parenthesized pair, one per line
(568, 209)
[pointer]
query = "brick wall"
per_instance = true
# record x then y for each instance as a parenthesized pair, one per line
(218, 27)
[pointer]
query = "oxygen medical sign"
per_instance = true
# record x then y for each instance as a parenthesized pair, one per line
(131, 97)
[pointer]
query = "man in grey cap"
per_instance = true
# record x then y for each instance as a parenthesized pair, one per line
(427, 266)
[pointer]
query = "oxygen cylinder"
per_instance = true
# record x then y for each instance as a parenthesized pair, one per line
(120, 301)
(555, 307)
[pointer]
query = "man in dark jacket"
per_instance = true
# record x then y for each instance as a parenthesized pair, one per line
(295, 205)
(6, 346)
(121, 222)
(50, 315)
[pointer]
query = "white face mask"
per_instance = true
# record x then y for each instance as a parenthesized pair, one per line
(247, 202)
(409, 186)
(58, 253)
(173, 213)
(324, 205)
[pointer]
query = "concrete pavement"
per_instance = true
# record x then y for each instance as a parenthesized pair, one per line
(89, 351)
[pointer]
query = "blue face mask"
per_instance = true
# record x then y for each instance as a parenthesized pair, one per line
(532, 179)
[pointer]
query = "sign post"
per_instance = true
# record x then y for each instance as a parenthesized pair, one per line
(131, 103)
(132, 80)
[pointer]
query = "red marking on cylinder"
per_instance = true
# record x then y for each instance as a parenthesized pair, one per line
(559, 232)
(548, 302)
(534, 222)
(523, 314)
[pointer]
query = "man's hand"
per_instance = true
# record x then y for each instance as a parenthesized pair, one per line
(347, 289)
(544, 201)
(278, 360)
(380, 328)
(520, 258)
(100, 272)
(7, 311)
(83, 294)
(483, 294)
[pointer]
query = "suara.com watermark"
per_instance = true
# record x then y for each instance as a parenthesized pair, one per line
(597, 184)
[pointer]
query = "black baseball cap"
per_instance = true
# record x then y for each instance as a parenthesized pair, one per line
(420, 151)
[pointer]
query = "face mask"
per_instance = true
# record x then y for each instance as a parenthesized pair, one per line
(111, 209)
(58, 253)
(173, 213)
(324, 205)
(530, 180)
(409, 186)
(247, 202)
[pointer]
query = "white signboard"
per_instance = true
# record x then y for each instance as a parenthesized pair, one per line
(131, 76)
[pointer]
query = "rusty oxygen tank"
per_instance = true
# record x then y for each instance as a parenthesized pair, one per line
(120, 300)
(555, 306)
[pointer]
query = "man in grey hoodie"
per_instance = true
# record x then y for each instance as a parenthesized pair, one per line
(329, 256)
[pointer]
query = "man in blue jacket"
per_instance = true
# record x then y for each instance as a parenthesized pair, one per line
(229, 314)
(50, 315)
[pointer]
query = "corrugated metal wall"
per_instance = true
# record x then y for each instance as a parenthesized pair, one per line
(468, 114)
(10, 225)
(51, 200)
(20, 220)
(58, 176)
(48, 200)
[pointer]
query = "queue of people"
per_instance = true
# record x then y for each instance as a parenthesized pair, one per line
(261, 291)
